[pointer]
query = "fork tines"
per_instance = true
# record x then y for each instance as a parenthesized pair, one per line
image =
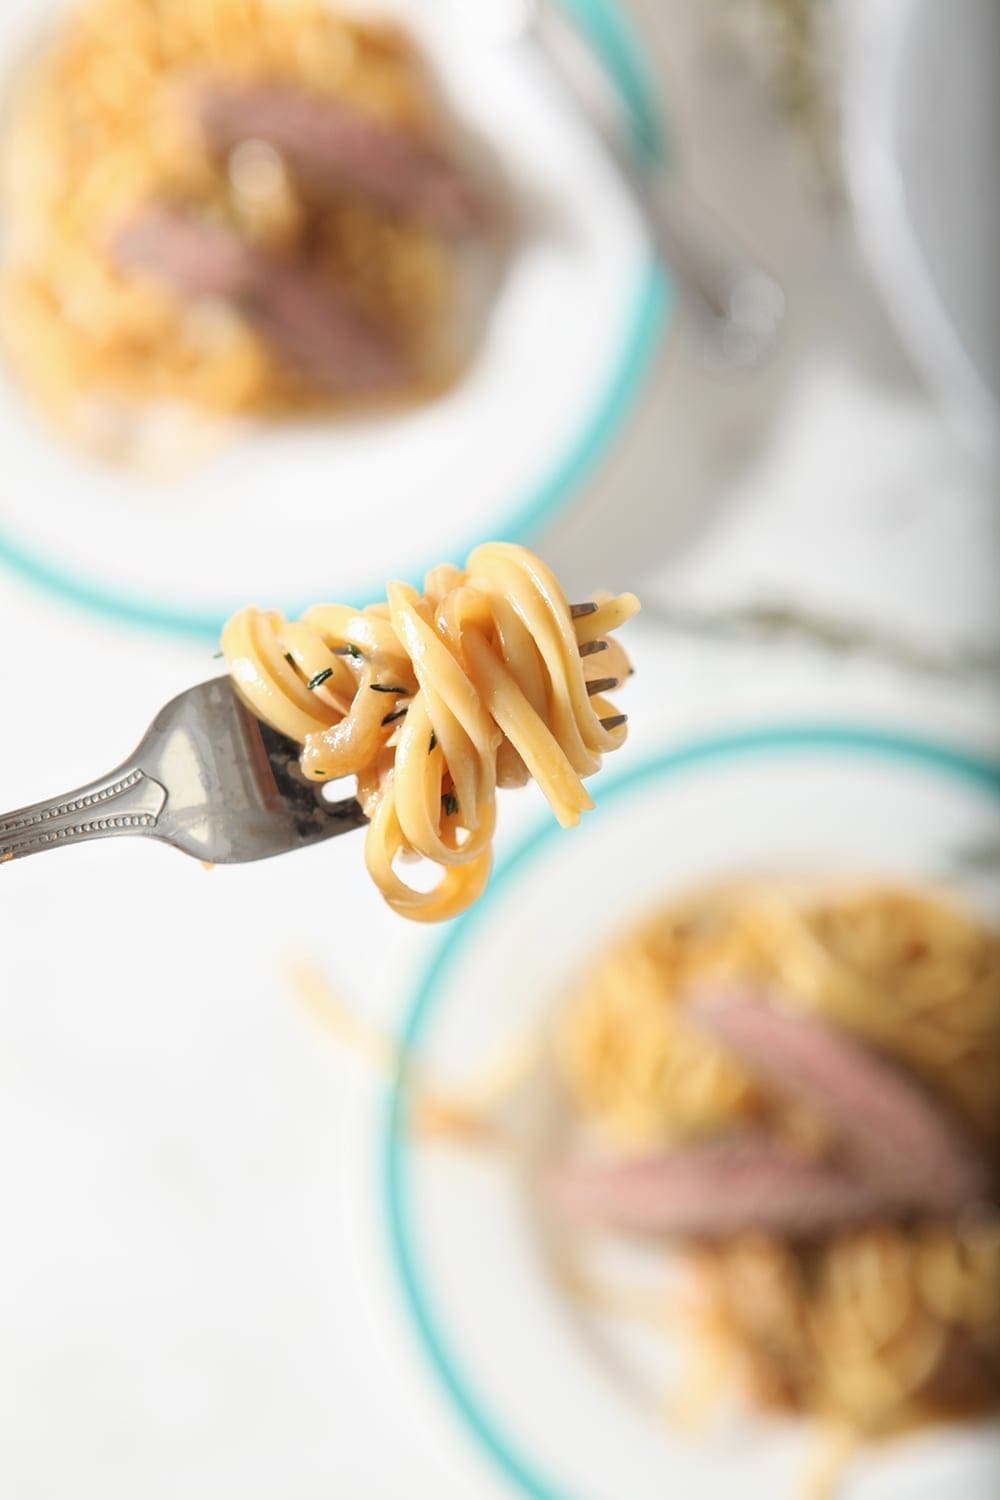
(590, 648)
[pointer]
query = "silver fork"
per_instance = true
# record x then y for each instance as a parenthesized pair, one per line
(737, 307)
(207, 777)
(211, 779)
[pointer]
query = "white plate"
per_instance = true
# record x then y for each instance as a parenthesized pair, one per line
(922, 126)
(564, 1405)
(289, 516)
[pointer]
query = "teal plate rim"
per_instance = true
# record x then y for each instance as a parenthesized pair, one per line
(615, 40)
(496, 1445)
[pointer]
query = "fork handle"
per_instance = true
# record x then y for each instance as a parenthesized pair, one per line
(126, 802)
(737, 306)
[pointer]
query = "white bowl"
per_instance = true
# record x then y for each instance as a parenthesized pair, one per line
(562, 1404)
(922, 123)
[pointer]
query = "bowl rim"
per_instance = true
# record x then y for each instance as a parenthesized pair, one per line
(978, 771)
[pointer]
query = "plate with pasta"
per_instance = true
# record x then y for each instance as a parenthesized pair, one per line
(296, 295)
(692, 1186)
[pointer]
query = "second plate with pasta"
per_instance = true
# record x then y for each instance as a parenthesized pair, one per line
(217, 514)
(562, 1367)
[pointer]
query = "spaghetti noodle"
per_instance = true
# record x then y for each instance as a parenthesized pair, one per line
(433, 701)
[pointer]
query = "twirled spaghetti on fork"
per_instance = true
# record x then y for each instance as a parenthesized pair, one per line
(432, 701)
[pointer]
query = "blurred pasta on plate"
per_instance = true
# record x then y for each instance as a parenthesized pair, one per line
(235, 206)
(798, 1087)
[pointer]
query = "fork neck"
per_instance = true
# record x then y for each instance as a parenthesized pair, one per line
(126, 802)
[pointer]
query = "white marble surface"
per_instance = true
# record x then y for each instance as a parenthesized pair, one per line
(192, 1293)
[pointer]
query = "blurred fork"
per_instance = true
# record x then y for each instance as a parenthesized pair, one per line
(212, 780)
(738, 308)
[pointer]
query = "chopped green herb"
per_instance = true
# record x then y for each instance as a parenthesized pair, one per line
(320, 678)
(382, 687)
(217, 654)
(290, 658)
(450, 804)
(400, 713)
(433, 743)
(352, 651)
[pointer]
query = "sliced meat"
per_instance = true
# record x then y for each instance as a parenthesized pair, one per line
(300, 314)
(326, 142)
(296, 310)
(198, 259)
(899, 1137)
(716, 1189)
